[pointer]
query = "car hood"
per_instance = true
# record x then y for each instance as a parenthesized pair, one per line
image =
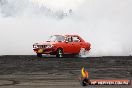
(46, 43)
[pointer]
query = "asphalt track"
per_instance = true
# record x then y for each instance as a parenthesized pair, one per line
(28, 71)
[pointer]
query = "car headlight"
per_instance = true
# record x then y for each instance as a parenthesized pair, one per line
(49, 46)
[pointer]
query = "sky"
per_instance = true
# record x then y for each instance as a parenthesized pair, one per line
(106, 24)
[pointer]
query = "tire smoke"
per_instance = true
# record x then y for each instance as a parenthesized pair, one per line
(106, 24)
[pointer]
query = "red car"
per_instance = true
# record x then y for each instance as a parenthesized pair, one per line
(61, 44)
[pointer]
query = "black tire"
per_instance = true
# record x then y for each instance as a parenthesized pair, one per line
(59, 53)
(39, 55)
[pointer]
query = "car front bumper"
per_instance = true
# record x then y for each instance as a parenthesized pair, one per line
(45, 51)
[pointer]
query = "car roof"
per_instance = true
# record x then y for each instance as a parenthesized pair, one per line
(71, 35)
(67, 35)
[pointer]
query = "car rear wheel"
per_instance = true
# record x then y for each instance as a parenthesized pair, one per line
(59, 53)
(82, 52)
(39, 55)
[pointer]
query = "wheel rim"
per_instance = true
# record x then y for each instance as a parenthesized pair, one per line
(60, 53)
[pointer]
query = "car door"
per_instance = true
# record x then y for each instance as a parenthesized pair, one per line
(69, 46)
(77, 44)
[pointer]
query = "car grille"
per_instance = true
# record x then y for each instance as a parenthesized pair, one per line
(41, 46)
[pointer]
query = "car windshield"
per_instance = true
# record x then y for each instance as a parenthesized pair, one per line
(57, 38)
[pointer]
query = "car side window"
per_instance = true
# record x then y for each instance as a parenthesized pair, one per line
(69, 39)
(75, 39)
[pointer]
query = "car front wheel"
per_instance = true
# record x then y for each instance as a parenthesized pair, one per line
(59, 53)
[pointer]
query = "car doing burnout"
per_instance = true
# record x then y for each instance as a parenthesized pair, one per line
(61, 44)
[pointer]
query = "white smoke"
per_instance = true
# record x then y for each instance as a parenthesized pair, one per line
(58, 4)
(106, 24)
